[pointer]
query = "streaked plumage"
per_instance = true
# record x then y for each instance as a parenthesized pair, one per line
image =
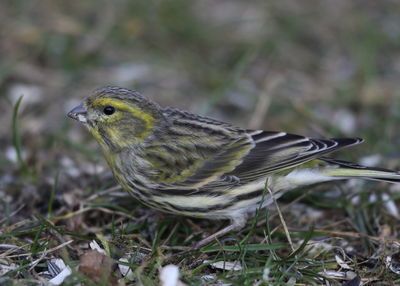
(192, 165)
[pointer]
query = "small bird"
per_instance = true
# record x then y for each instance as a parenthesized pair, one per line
(192, 165)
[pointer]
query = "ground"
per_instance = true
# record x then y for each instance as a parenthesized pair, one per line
(316, 68)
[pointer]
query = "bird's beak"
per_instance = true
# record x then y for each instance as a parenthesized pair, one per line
(78, 113)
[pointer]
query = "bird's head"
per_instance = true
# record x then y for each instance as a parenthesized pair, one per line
(118, 117)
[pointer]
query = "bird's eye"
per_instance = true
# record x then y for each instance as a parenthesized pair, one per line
(108, 110)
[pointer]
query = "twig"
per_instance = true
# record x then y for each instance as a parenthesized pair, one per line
(102, 193)
(281, 218)
(12, 250)
(45, 252)
(262, 222)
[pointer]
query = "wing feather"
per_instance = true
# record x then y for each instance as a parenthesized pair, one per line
(276, 152)
(210, 155)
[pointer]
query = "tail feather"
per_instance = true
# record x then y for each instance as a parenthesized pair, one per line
(352, 170)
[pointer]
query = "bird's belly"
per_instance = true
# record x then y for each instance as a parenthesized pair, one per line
(225, 203)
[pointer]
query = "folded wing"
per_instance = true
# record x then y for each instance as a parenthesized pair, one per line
(277, 151)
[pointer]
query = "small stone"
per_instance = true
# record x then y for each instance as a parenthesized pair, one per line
(97, 266)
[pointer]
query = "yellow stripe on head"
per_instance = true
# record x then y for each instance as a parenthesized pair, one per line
(124, 105)
(117, 132)
(121, 105)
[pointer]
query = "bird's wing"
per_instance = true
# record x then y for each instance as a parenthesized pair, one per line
(190, 167)
(277, 151)
(210, 154)
(195, 151)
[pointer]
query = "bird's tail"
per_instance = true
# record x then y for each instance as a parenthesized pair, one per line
(351, 170)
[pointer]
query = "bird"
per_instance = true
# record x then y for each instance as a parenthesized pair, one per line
(191, 165)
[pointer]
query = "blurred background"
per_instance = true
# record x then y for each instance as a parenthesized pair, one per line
(320, 68)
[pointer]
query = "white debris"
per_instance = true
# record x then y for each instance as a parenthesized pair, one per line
(169, 276)
(61, 271)
(373, 198)
(6, 266)
(95, 246)
(394, 267)
(11, 154)
(351, 275)
(226, 265)
(390, 205)
(348, 275)
(317, 247)
(7, 246)
(266, 273)
(342, 263)
(208, 277)
(291, 281)
(332, 274)
(125, 270)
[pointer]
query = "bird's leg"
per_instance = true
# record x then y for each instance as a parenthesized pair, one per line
(236, 224)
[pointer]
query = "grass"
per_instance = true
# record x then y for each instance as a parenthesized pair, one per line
(57, 196)
(16, 137)
(153, 243)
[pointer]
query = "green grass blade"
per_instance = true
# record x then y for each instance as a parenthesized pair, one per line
(16, 137)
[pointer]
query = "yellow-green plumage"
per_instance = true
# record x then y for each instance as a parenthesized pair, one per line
(187, 164)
